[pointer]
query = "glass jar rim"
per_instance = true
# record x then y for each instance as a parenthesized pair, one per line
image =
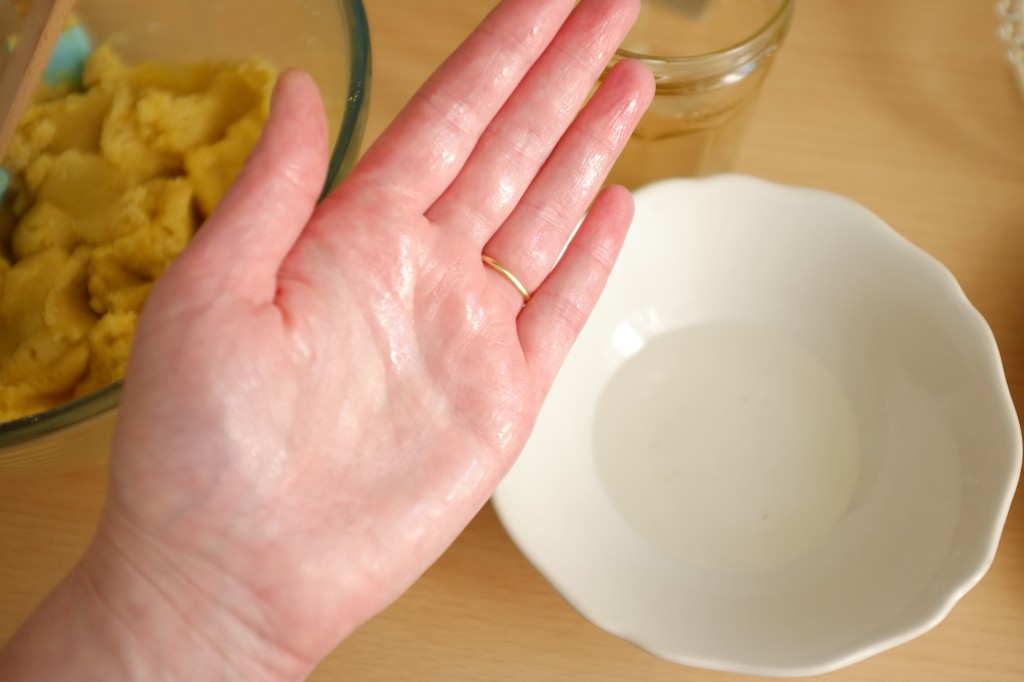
(754, 45)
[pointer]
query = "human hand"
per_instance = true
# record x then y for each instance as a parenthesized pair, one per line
(320, 397)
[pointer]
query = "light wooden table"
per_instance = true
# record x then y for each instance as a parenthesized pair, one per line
(905, 106)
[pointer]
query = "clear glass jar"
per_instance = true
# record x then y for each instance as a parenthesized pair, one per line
(709, 59)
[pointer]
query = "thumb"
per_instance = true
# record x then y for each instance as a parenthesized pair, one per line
(241, 245)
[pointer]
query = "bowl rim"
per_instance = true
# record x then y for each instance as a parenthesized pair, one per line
(345, 152)
(353, 122)
(890, 633)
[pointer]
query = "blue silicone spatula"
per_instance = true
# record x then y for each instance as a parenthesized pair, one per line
(41, 46)
(37, 36)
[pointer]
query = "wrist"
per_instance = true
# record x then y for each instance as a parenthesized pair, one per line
(124, 614)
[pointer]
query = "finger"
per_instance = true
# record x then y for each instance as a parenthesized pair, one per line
(530, 241)
(428, 143)
(552, 320)
(514, 147)
(242, 244)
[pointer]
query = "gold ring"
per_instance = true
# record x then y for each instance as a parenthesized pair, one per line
(504, 272)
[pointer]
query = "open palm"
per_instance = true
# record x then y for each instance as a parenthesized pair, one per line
(322, 395)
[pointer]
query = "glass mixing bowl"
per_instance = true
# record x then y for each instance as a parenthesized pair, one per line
(327, 38)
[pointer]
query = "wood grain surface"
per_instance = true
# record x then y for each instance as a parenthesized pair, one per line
(907, 107)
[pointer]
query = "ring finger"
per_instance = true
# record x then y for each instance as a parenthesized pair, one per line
(521, 136)
(530, 241)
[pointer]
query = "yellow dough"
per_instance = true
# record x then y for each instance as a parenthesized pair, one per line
(108, 186)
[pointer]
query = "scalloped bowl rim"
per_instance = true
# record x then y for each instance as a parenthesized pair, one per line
(527, 514)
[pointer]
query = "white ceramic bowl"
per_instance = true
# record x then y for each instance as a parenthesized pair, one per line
(783, 443)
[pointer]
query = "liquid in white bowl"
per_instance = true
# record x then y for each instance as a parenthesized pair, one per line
(727, 445)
